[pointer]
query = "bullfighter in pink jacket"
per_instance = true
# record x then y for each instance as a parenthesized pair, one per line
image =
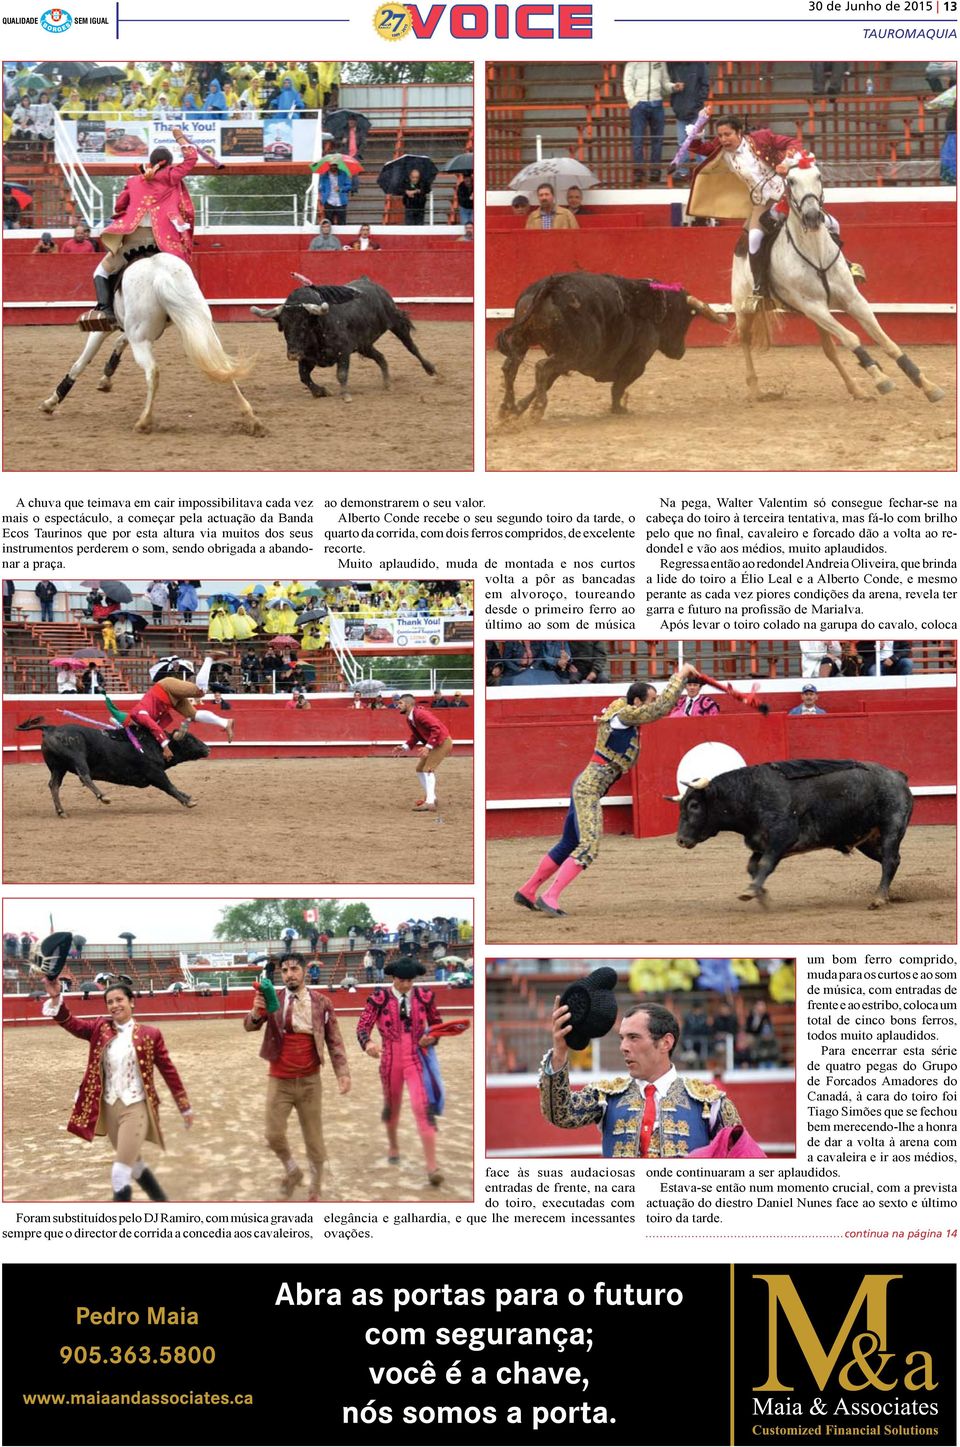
(403, 1015)
(153, 209)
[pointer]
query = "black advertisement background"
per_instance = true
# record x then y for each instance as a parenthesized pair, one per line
(303, 1363)
(661, 1372)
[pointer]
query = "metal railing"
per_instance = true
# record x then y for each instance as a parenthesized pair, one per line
(87, 195)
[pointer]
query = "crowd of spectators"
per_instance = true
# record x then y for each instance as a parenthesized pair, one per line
(849, 658)
(540, 661)
(534, 661)
(243, 90)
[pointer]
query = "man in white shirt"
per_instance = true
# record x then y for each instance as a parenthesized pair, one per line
(117, 1095)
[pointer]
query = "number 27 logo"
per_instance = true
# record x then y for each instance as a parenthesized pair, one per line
(392, 22)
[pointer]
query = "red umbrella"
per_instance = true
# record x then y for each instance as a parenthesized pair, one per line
(283, 641)
(68, 663)
(21, 194)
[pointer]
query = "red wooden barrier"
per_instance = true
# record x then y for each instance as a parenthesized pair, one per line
(700, 259)
(535, 748)
(264, 727)
(259, 275)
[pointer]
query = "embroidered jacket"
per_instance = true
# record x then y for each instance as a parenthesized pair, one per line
(87, 1118)
(620, 746)
(690, 1113)
(382, 1011)
(162, 203)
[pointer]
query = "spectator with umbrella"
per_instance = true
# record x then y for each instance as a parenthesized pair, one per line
(462, 167)
(548, 216)
(349, 129)
(338, 179)
(411, 178)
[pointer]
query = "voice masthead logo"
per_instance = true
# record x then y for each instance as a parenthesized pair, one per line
(56, 20)
(475, 22)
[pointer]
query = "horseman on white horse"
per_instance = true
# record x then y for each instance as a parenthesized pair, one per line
(743, 175)
(151, 233)
(153, 209)
(775, 183)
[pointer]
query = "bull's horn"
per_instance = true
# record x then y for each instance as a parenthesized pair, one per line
(314, 309)
(262, 311)
(673, 798)
(699, 783)
(705, 310)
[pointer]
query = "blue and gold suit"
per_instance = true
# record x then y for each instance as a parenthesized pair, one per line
(689, 1115)
(615, 753)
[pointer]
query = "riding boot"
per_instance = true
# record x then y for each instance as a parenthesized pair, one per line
(148, 1182)
(104, 287)
(759, 271)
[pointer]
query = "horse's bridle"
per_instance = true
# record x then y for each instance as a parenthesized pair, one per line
(821, 271)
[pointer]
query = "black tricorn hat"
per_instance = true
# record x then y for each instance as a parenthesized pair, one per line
(592, 1006)
(405, 969)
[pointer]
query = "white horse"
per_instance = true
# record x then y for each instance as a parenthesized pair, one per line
(809, 274)
(156, 291)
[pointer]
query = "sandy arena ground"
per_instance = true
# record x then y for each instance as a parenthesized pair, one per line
(647, 892)
(692, 416)
(418, 425)
(224, 1158)
(300, 821)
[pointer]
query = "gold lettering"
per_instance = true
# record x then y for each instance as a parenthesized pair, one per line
(822, 1363)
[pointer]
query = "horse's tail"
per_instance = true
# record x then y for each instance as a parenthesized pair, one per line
(191, 316)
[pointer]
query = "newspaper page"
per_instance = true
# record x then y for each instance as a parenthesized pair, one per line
(479, 956)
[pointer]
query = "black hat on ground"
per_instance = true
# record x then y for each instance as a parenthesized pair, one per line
(592, 1006)
(405, 969)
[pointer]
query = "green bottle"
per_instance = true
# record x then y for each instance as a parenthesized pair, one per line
(265, 986)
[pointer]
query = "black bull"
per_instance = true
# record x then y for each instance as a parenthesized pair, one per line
(607, 327)
(324, 325)
(800, 805)
(109, 755)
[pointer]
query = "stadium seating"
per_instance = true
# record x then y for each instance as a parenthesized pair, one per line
(874, 132)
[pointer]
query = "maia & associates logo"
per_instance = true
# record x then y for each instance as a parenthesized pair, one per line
(839, 1352)
(56, 20)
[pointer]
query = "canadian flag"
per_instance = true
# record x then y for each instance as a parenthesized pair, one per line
(310, 915)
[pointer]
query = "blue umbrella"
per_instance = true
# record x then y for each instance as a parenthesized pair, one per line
(229, 599)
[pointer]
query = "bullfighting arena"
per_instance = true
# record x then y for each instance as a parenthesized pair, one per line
(693, 415)
(299, 820)
(224, 1158)
(649, 891)
(417, 425)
